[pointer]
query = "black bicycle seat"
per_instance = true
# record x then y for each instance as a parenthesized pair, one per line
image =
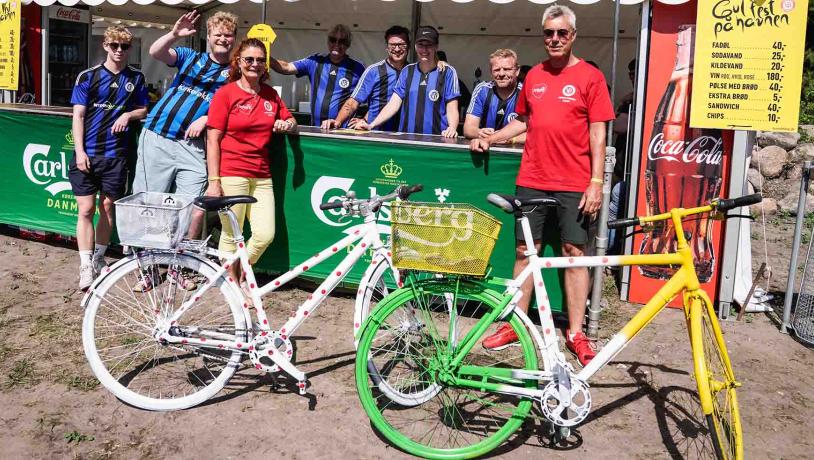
(213, 203)
(512, 203)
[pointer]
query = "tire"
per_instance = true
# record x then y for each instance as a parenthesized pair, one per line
(117, 332)
(402, 339)
(377, 283)
(716, 382)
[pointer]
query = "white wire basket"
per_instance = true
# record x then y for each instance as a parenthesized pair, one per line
(153, 219)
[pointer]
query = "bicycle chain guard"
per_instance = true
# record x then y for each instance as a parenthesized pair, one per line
(566, 413)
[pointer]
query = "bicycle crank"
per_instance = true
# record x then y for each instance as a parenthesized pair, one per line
(561, 410)
(271, 349)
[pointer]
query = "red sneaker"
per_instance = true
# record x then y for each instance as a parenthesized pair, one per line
(580, 346)
(504, 337)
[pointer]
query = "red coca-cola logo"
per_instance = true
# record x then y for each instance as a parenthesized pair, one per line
(703, 149)
(68, 13)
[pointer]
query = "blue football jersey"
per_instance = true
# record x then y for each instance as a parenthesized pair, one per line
(374, 89)
(493, 111)
(331, 84)
(424, 98)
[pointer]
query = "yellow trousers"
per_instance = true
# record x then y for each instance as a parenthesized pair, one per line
(260, 214)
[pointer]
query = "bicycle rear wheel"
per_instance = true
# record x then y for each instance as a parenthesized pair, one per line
(716, 381)
(399, 362)
(125, 309)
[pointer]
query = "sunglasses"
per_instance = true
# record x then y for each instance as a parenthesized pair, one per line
(250, 60)
(119, 46)
(397, 46)
(342, 41)
(564, 34)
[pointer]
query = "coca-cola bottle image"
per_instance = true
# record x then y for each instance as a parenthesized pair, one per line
(683, 169)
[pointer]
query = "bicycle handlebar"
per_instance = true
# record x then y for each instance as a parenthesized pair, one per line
(721, 204)
(348, 202)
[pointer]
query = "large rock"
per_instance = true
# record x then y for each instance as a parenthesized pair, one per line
(786, 141)
(769, 206)
(803, 152)
(789, 203)
(808, 130)
(770, 161)
(795, 172)
(754, 178)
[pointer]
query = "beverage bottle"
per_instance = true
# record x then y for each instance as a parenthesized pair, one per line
(683, 169)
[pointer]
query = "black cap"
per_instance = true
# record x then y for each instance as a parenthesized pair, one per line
(427, 33)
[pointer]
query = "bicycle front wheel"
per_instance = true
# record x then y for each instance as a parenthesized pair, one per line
(399, 363)
(716, 381)
(124, 311)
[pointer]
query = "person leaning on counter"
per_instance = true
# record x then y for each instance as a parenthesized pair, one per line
(493, 104)
(426, 93)
(333, 76)
(377, 83)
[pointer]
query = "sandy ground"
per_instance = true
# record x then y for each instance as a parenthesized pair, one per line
(644, 403)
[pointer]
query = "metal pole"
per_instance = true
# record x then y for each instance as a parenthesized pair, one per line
(610, 161)
(795, 244)
(263, 12)
(415, 22)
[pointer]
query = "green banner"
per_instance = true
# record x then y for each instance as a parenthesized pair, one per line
(306, 171)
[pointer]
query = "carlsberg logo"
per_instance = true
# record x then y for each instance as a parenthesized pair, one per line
(703, 149)
(44, 170)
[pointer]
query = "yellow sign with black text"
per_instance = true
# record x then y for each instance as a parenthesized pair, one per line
(10, 13)
(748, 64)
(265, 34)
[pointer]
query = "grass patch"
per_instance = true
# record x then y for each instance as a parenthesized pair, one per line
(80, 382)
(5, 352)
(22, 374)
(77, 437)
(48, 327)
(47, 422)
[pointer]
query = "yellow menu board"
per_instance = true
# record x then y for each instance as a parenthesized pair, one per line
(10, 13)
(748, 64)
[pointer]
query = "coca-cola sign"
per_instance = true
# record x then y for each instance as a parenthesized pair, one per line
(703, 149)
(64, 13)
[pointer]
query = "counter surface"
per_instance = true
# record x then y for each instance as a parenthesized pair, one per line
(313, 131)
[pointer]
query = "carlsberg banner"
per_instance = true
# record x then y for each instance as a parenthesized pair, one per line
(306, 171)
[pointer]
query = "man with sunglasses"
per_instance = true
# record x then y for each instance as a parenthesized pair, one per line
(493, 104)
(562, 108)
(377, 83)
(171, 156)
(426, 93)
(333, 76)
(106, 98)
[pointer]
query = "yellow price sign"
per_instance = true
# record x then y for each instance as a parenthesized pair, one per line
(265, 34)
(10, 14)
(748, 64)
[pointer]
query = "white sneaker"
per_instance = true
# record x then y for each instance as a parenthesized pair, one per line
(183, 281)
(86, 276)
(99, 265)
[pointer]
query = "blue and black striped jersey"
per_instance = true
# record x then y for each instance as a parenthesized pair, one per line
(424, 98)
(331, 84)
(187, 99)
(106, 96)
(493, 111)
(375, 88)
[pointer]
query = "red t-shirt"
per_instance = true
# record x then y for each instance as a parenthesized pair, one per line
(246, 121)
(559, 105)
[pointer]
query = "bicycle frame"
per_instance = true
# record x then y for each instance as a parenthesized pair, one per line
(554, 363)
(366, 238)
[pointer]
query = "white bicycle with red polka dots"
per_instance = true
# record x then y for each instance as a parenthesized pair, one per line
(167, 329)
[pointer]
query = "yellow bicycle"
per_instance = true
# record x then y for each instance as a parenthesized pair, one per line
(430, 389)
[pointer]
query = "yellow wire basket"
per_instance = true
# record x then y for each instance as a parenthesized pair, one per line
(442, 237)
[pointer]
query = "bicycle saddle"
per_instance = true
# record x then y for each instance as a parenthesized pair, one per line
(213, 203)
(511, 203)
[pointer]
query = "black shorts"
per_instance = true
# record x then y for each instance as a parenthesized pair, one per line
(108, 175)
(573, 225)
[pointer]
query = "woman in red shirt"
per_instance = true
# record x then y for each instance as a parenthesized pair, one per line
(243, 115)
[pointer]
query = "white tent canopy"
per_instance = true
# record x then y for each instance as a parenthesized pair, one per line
(470, 29)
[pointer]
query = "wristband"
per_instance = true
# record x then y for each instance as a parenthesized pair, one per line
(214, 178)
(595, 180)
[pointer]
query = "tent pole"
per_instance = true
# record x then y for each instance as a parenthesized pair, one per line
(415, 21)
(263, 12)
(610, 160)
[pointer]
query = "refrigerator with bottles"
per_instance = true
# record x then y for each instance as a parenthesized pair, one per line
(68, 32)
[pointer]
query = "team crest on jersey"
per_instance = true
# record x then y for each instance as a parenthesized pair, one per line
(538, 90)
(224, 73)
(129, 87)
(568, 92)
(344, 83)
(434, 95)
(511, 116)
(269, 108)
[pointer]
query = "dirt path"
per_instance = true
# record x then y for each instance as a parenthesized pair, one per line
(644, 403)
